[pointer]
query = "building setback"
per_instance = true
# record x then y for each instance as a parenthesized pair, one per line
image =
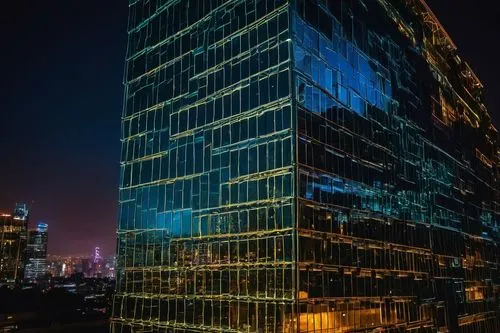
(303, 166)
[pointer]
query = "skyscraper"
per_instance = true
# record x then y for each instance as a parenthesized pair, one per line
(36, 253)
(13, 238)
(97, 262)
(303, 166)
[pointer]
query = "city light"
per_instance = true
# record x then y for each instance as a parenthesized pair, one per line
(283, 166)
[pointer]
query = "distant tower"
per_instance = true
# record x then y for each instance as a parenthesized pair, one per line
(13, 238)
(97, 255)
(21, 212)
(110, 267)
(36, 253)
(97, 264)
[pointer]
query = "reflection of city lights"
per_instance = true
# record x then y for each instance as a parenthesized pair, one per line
(256, 236)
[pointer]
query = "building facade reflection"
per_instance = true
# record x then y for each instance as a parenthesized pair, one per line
(312, 166)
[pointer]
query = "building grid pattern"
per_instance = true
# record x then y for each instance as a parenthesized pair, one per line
(13, 240)
(303, 166)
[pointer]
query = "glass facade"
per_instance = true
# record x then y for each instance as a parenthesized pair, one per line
(206, 231)
(13, 239)
(303, 166)
(36, 253)
(397, 198)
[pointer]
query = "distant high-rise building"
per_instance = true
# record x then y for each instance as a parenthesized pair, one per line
(304, 166)
(13, 239)
(97, 254)
(86, 267)
(36, 253)
(97, 262)
(109, 267)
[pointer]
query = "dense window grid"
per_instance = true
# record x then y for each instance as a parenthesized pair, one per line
(311, 166)
(207, 181)
(397, 214)
(35, 265)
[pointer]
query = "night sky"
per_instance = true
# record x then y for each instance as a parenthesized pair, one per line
(61, 99)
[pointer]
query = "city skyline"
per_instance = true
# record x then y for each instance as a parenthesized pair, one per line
(58, 124)
(34, 225)
(94, 203)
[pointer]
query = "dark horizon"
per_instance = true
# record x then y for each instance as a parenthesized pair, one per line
(62, 102)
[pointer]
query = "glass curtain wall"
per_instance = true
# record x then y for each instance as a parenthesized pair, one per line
(206, 233)
(396, 212)
(303, 166)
